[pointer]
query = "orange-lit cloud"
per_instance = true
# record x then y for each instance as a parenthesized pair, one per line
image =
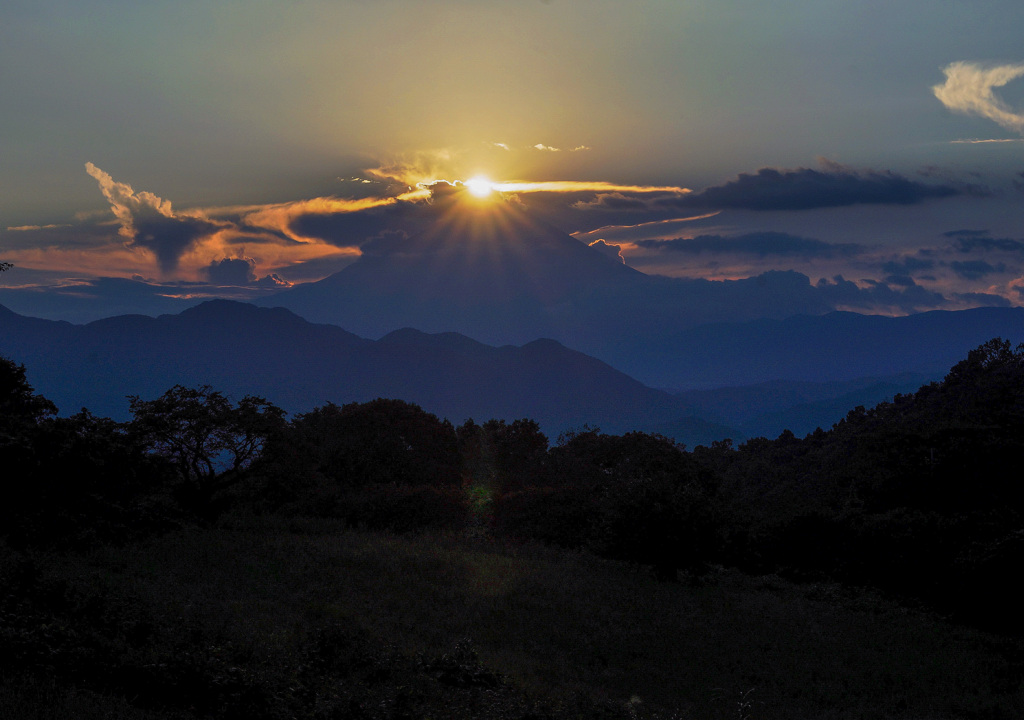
(30, 228)
(568, 186)
(414, 169)
(186, 243)
(280, 217)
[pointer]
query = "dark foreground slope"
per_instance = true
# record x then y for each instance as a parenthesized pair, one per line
(240, 349)
(310, 620)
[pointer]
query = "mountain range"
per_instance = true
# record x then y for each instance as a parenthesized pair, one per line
(497, 274)
(240, 349)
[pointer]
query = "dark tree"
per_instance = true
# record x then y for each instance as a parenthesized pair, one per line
(19, 405)
(381, 441)
(208, 439)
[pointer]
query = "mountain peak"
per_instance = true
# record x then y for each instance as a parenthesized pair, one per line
(495, 274)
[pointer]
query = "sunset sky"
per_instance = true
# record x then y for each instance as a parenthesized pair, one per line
(161, 150)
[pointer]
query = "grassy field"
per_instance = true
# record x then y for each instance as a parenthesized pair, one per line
(312, 620)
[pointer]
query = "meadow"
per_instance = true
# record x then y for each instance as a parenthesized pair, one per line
(276, 618)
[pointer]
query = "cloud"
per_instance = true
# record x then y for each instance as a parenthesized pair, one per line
(644, 230)
(597, 186)
(874, 295)
(982, 299)
(979, 141)
(965, 233)
(761, 244)
(974, 269)
(805, 189)
(231, 271)
(611, 201)
(612, 251)
(546, 148)
(272, 281)
(286, 219)
(33, 228)
(987, 244)
(968, 90)
(907, 266)
(150, 222)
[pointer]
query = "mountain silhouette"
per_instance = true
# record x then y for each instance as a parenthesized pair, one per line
(489, 271)
(240, 349)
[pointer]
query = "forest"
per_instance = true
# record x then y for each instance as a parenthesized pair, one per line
(212, 557)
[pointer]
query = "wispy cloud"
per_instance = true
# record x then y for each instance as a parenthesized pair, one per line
(979, 141)
(548, 148)
(761, 244)
(585, 186)
(32, 228)
(644, 229)
(969, 90)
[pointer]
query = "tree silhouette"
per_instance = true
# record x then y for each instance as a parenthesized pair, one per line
(18, 402)
(209, 440)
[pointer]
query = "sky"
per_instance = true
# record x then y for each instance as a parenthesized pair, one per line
(153, 153)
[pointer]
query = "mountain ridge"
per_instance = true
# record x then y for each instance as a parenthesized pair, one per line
(241, 349)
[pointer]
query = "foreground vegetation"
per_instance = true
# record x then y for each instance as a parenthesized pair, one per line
(266, 618)
(212, 558)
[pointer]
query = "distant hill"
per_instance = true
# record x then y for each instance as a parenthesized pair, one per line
(768, 408)
(241, 349)
(837, 346)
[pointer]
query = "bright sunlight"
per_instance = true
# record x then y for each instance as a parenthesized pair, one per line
(479, 186)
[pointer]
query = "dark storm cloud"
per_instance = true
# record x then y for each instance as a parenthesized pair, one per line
(241, 272)
(168, 238)
(231, 271)
(908, 265)
(974, 269)
(805, 189)
(965, 233)
(149, 221)
(761, 244)
(985, 244)
(840, 292)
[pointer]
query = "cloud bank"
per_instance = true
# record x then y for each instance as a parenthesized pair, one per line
(969, 90)
(761, 244)
(806, 189)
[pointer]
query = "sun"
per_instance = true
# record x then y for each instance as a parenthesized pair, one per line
(479, 186)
